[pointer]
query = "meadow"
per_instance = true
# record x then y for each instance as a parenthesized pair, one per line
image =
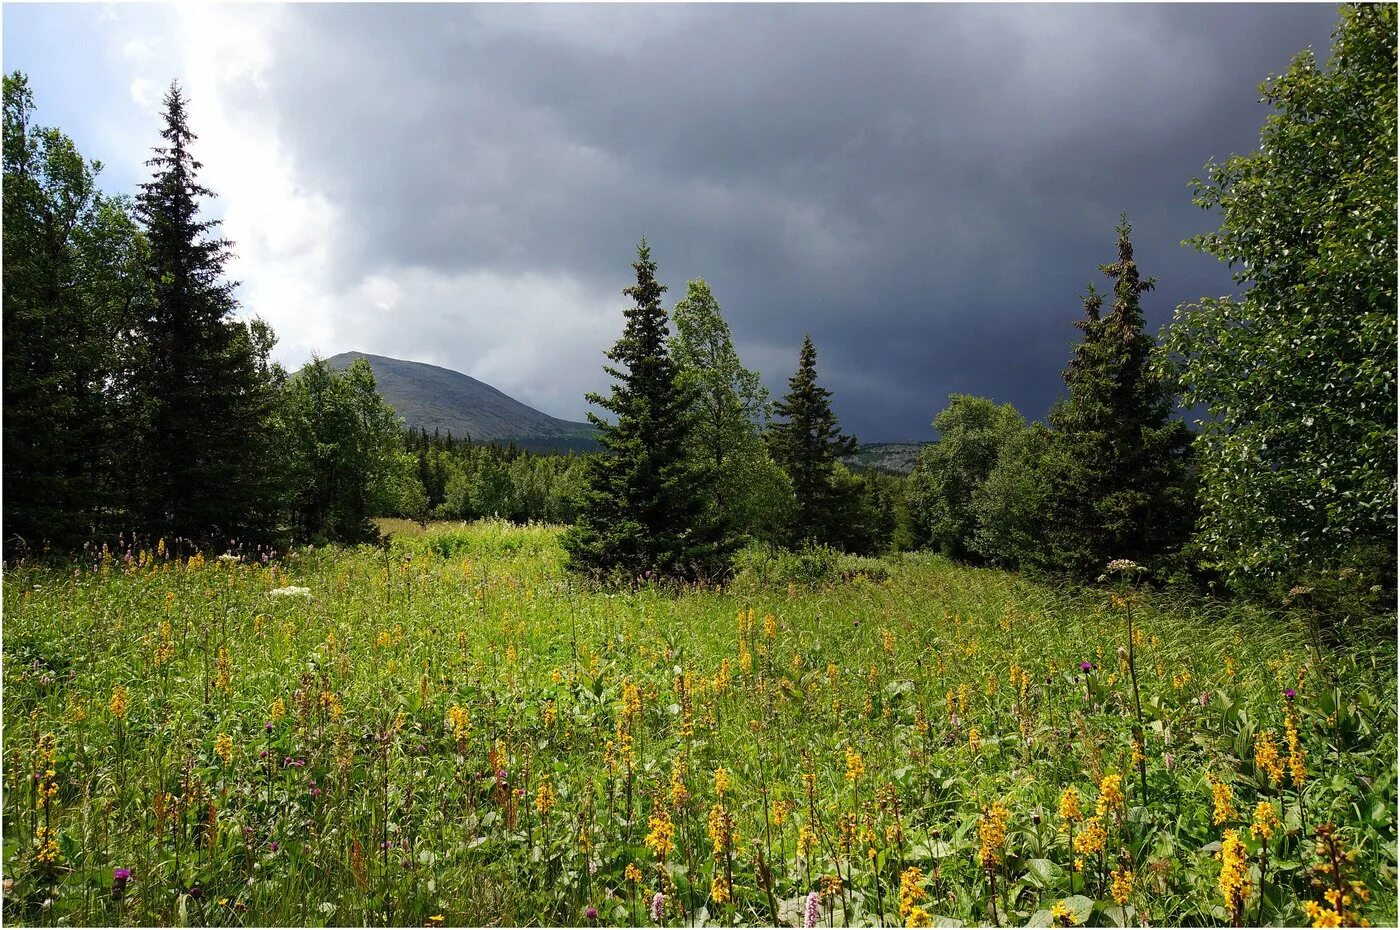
(450, 730)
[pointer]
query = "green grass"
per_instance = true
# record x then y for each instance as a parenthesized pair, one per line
(409, 676)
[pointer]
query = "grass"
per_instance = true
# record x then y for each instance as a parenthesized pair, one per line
(453, 730)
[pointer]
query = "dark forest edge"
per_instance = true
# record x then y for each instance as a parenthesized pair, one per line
(136, 398)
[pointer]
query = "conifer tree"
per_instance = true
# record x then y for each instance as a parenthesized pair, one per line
(70, 257)
(644, 513)
(1120, 482)
(808, 444)
(203, 391)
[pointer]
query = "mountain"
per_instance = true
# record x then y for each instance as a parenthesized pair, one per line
(897, 457)
(433, 398)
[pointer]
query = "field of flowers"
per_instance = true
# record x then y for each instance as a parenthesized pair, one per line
(449, 731)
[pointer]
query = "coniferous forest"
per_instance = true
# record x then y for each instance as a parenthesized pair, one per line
(274, 656)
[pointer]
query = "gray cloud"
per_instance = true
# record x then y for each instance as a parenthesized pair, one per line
(925, 189)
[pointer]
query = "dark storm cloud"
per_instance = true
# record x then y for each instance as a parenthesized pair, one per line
(923, 189)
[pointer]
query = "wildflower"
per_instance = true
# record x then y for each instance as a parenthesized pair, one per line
(1266, 821)
(992, 834)
(974, 740)
(1223, 799)
(1122, 885)
(278, 710)
(887, 640)
(919, 917)
(223, 675)
(436, 920)
(660, 838)
(806, 840)
(1234, 875)
(223, 748)
(119, 879)
(855, 764)
(722, 781)
(1062, 916)
(291, 591)
(814, 910)
(1091, 839)
(119, 703)
(719, 889)
(1110, 795)
(1297, 768)
(1343, 896)
(632, 873)
(591, 913)
(1266, 757)
(658, 906)
(1070, 812)
(1086, 667)
(458, 721)
(911, 890)
(545, 798)
(631, 700)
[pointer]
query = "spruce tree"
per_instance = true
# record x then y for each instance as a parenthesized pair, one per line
(1119, 471)
(807, 445)
(644, 513)
(201, 386)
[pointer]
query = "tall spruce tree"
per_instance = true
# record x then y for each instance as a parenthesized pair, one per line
(1120, 477)
(807, 444)
(70, 277)
(202, 389)
(644, 513)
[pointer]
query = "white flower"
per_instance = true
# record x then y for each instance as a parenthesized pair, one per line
(291, 591)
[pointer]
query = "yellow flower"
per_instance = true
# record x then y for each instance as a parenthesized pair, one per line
(1062, 916)
(1122, 885)
(549, 713)
(632, 873)
(992, 833)
(223, 748)
(278, 710)
(1223, 799)
(911, 890)
(806, 840)
(458, 721)
(1070, 811)
(1297, 767)
(722, 781)
(1234, 875)
(719, 889)
(887, 640)
(660, 839)
(855, 764)
(1091, 839)
(974, 740)
(1110, 795)
(631, 700)
(1266, 757)
(120, 703)
(545, 797)
(1266, 821)
(918, 917)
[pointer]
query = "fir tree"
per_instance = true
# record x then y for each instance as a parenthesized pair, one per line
(644, 512)
(1119, 467)
(203, 391)
(808, 444)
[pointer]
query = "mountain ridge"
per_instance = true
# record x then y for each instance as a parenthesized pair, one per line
(434, 398)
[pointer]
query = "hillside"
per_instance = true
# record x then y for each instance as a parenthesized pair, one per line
(434, 398)
(897, 457)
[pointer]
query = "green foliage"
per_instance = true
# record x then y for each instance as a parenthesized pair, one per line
(644, 512)
(345, 441)
(421, 696)
(1009, 505)
(812, 565)
(203, 396)
(1298, 372)
(972, 431)
(807, 444)
(1121, 485)
(751, 496)
(70, 277)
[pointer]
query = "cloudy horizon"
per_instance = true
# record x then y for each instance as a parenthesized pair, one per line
(923, 189)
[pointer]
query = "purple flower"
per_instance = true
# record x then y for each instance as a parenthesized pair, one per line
(1168, 761)
(274, 846)
(658, 905)
(1204, 699)
(591, 913)
(268, 726)
(1087, 666)
(121, 876)
(1289, 693)
(814, 910)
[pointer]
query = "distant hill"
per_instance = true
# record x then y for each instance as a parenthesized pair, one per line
(898, 457)
(434, 398)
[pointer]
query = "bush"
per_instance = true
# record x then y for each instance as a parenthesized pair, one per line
(809, 566)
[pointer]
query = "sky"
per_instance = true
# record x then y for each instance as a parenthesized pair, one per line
(924, 189)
